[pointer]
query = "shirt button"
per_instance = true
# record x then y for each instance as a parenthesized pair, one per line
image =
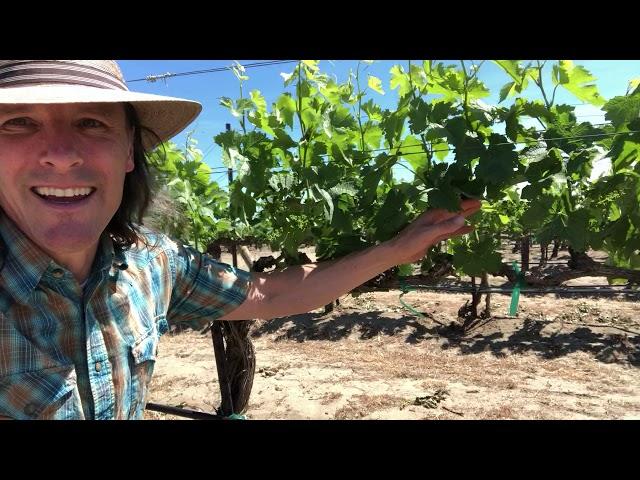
(30, 409)
(98, 366)
(58, 273)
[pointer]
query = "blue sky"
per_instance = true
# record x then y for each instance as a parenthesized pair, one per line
(612, 80)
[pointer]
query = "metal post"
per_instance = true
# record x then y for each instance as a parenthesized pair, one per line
(218, 341)
(234, 251)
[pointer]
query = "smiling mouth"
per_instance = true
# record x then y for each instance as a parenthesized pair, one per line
(63, 195)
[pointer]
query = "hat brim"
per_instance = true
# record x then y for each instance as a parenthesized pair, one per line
(165, 116)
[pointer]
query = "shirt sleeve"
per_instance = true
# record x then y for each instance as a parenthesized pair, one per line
(204, 288)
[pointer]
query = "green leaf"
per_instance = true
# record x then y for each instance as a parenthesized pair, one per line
(242, 206)
(419, 115)
(549, 165)
(344, 188)
(258, 101)
(476, 89)
(537, 212)
(231, 157)
(441, 149)
(497, 164)
(392, 125)
(310, 116)
(311, 64)
(282, 140)
(375, 84)
(441, 111)
(624, 153)
(339, 246)
(372, 136)
(373, 111)
(444, 198)
(553, 230)
(577, 231)
(413, 152)
(435, 132)
(418, 76)
(287, 77)
(536, 109)
(405, 270)
(506, 90)
(476, 259)
(287, 107)
(331, 92)
(392, 216)
(226, 102)
(456, 130)
(512, 67)
(370, 180)
(512, 126)
(328, 209)
(281, 181)
(615, 213)
(448, 82)
(621, 110)
(579, 164)
(399, 80)
(575, 79)
(243, 104)
(341, 117)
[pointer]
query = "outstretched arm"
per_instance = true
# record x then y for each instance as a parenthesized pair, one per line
(302, 288)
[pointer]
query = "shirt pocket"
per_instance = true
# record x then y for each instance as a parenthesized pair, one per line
(143, 359)
(47, 394)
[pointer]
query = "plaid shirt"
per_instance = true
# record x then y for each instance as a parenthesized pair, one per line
(73, 353)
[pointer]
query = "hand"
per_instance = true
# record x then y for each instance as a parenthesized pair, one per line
(429, 228)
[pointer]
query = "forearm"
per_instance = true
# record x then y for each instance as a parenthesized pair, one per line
(302, 288)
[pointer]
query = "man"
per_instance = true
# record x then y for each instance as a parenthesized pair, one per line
(84, 292)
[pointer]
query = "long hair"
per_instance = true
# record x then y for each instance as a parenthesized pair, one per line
(136, 196)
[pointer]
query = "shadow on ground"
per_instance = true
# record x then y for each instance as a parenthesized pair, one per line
(514, 336)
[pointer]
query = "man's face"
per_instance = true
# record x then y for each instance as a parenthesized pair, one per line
(62, 170)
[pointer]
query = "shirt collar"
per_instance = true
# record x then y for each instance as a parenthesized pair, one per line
(23, 263)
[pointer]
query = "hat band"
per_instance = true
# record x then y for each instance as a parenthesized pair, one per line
(49, 72)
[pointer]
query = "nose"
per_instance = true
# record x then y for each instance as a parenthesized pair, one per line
(60, 151)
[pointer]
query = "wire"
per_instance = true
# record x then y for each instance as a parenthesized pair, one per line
(567, 289)
(217, 180)
(164, 76)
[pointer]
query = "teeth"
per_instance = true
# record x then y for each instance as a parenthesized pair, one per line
(62, 192)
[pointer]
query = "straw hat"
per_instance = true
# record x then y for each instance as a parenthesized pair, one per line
(89, 81)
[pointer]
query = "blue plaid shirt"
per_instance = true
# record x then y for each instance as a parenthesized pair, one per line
(73, 353)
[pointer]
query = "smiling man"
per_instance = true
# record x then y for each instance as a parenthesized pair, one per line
(85, 291)
(63, 170)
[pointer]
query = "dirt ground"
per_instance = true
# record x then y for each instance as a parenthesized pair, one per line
(560, 358)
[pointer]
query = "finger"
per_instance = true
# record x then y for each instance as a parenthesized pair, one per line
(468, 208)
(470, 203)
(461, 231)
(451, 228)
(447, 227)
(467, 212)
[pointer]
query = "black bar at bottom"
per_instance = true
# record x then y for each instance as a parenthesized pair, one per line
(182, 412)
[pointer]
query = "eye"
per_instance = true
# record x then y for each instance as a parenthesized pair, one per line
(90, 123)
(19, 122)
